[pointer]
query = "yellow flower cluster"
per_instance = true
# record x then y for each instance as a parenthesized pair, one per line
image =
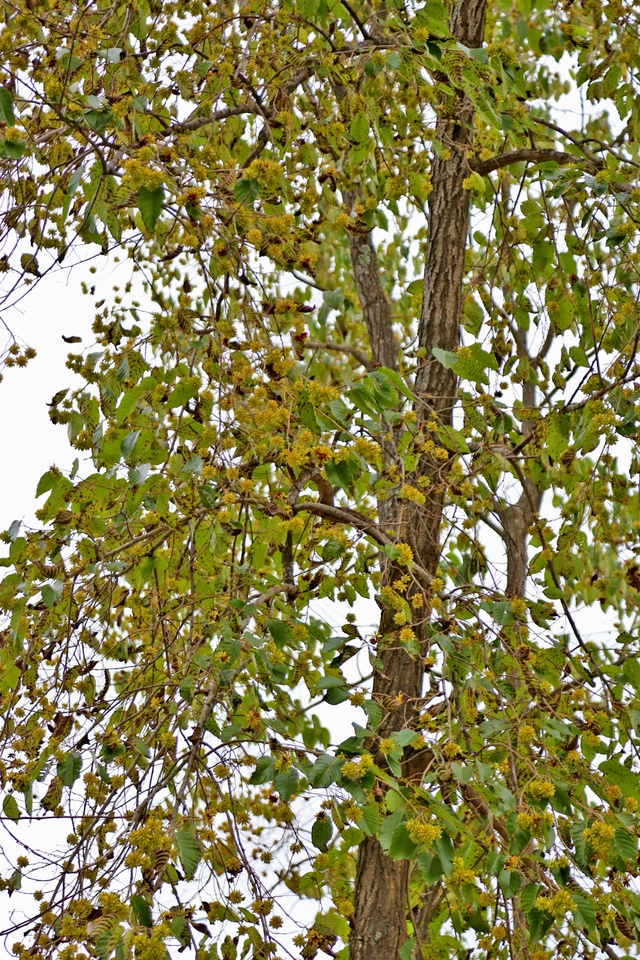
(519, 607)
(541, 789)
(267, 172)
(151, 947)
(13, 135)
(357, 769)
(367, 449)
(536, 823)
(461, 873)
(424, 834)
(559, 905)
(391, 599)
(323, 393)
(408, 492)
(138, 174)
(405, 554)
(600, 835)
(526, 733)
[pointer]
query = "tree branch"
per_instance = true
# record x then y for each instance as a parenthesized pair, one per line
(354, 519)
(376, 308)
(360, 355)
(194, 123)
(527, 155)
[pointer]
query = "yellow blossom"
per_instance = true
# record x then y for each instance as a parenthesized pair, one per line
(526, 733)
(424, 834)
(559, 905)
(407, 492)
(357, 769)
(600, 836)
(405, 554)
(461, 873)
(541, 789)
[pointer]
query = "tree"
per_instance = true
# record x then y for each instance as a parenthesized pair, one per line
(280, 411)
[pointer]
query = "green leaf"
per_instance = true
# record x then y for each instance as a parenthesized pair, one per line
(431, 866)
(129, 443)
(359, 127)
(462, 773)
(279, 630)
(343, 473)
(265, 770)
(402, 846)
(385, 395)
(625, 845)
(557, 435)
(370, 819)
(141, 910)
(393, 60)
(193, 466)
(97, 120)
(69, 768)
(373, 711)
(584, 913)
(52, 592)
(509, 882)
(6, 108)
(246, 191)
(445, 357)
(47, 482)
(563, 313)
(208, 495)
(14, 530)
(286, 783)
(321, 832)
(576, 831)
(631, 670)
(308, 8)
(10, 808)
(188, 849)
(529, 896)
(407, 949)
(307, 413)
(183, 391)
(404, 737)
(443, 847)
(389, 826)
(150, 204)
(620, 776)
(326, 770)
(13, 149)
(396, 380)
(139, 474)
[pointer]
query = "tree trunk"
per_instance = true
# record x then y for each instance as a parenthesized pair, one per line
(381, 890)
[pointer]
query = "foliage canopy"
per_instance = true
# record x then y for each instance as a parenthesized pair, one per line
(281, 420)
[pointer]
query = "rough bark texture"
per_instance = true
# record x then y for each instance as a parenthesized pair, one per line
(376, 309)
(381, 894)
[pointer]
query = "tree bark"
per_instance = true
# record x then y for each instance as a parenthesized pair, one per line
(381, 887)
